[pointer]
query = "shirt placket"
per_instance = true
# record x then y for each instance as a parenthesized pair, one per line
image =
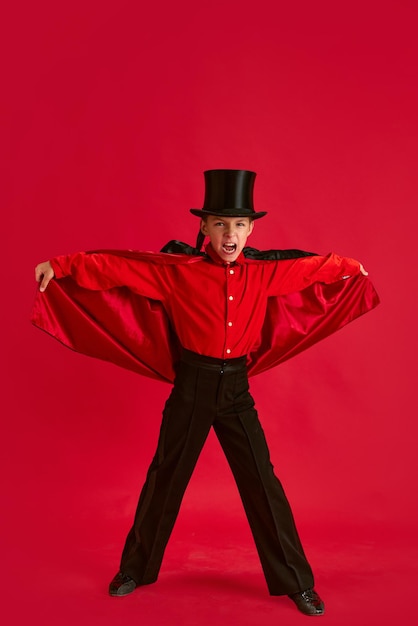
(231, 304)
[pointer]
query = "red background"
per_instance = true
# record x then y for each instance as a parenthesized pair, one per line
(110, 113)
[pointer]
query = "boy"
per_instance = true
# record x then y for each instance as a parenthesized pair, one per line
(216, 303)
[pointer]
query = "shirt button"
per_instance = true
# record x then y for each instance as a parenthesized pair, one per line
(229, 323)
(231, 298)
(231, 272)
(228, 351)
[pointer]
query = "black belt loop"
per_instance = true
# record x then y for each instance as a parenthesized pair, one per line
(222, 366)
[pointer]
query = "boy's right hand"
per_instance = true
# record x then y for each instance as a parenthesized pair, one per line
(44, 273)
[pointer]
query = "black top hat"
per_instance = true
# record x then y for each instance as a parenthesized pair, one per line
(229, 193)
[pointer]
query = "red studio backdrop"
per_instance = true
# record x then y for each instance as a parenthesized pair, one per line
(111, 111)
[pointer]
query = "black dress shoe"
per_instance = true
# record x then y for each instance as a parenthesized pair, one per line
(308, 602)
(121, 585)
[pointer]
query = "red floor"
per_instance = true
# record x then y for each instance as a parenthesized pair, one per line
(69, 496)
(210, 575)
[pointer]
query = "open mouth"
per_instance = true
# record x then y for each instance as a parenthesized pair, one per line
(229, 248)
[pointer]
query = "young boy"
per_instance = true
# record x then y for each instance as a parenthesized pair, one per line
(216, 304)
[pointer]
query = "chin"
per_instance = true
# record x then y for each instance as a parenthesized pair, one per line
(228, 258)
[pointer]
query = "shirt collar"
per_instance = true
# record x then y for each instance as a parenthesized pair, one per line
(214, 256)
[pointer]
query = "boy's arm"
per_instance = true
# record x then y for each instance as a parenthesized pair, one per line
(294, 275)
(103, 271)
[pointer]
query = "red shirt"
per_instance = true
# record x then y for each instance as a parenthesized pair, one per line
(216, 309)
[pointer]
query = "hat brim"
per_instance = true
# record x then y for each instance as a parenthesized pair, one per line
(229, 213)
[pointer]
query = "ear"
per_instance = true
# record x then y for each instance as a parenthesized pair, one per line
(203, 227)
(251, 227)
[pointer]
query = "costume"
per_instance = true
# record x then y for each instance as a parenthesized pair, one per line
(190, 288)
(206, 324)
(213, 393)
(134, 331)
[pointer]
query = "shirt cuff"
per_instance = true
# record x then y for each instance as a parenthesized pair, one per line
(62, 265)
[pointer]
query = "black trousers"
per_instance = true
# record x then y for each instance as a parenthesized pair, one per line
(213, 393)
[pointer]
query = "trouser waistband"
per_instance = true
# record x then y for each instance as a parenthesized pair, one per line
(216, 365)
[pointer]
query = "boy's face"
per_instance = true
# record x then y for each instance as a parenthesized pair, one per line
(228, 235)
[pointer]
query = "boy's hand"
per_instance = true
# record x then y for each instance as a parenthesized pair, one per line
(363, 271)
(45, 272)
